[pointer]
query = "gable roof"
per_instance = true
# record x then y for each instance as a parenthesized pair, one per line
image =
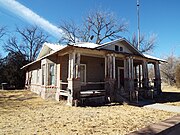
(128, 45)
(86, 45)
(154, 58)
(49, 48)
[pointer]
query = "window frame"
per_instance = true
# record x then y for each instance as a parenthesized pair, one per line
(51, 76)
(43, 74)
(83, 82)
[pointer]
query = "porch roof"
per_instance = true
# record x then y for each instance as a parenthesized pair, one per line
(85, 45)
(154, 58)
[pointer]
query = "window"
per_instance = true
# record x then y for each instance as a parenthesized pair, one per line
(83, 73)
(121, 49)
(51, 74)
(43, 74)
(117, 48)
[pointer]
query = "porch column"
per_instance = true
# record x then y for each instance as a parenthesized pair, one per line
(114, 66)
(78, 65)
(105, 68)
(126, 74)
(129, 73)
(132, 74)
(74, 85)
(110, 77)
(135, 77)
(145, 75)
(140, 78)
(157, 81)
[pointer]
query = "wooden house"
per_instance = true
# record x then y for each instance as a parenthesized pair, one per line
(113, 71)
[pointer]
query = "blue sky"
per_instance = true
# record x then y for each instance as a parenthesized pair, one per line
(161, 17)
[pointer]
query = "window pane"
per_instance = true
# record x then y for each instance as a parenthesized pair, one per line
(52, 74)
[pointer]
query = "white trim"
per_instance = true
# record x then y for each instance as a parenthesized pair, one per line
(84, 73)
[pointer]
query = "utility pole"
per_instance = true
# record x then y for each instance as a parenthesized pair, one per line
(138, 25)
(138, 47)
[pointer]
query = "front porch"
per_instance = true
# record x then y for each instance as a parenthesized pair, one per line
(111, 77)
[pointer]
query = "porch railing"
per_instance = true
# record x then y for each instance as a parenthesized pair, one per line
(63, 88)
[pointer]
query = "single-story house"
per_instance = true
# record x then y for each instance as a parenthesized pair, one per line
(114, 70)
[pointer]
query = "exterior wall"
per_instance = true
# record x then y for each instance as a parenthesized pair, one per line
(34, 74)
(94, 68)
(64, 68)
(112, 47)
(44, 92)
(94, 71)
(119, 63)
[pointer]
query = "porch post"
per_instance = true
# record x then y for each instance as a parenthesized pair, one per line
(105, 68)
(140, 75)
(78, 65)
(70, 79)
(126, 74)
(145, 75)
(74, 85)
(132, 73)
(114, 67)
(110, 77)
(135, 77)
(157, 81)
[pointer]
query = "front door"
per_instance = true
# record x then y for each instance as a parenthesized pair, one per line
(120, 77)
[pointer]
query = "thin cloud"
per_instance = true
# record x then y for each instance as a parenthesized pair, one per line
(31, 17)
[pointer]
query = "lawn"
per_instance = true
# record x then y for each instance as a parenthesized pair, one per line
(22, 112)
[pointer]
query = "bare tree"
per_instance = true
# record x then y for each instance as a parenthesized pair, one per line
(71, 32)
(97, 27)
(146, 44)
(29, 42)
(168, 70)
(2, 31)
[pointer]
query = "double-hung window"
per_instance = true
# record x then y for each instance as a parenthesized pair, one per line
(51, 74)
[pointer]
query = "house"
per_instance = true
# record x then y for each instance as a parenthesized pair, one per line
(112, 71)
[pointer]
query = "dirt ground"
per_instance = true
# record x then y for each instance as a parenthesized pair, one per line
(22, 112)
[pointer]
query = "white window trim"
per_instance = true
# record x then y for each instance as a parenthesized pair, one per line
(84, 73)
(50, 75)
(43, 80)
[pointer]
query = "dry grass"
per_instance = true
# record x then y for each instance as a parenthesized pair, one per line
(22, 112)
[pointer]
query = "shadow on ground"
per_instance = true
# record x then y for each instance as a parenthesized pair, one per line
(164, 97)
(168, 97)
